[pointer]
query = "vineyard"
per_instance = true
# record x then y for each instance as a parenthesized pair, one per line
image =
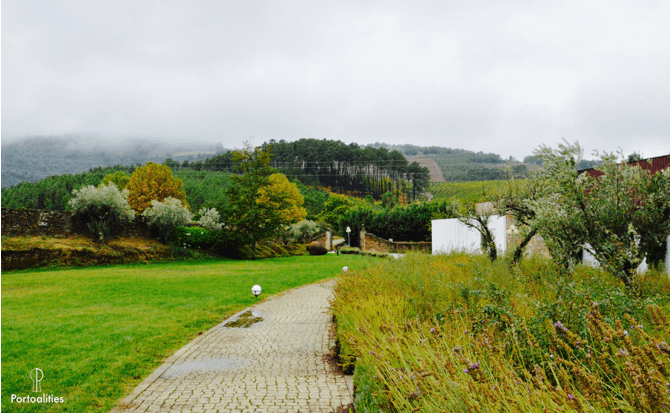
(471, 191)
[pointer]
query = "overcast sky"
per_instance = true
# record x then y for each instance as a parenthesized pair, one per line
(492, 76)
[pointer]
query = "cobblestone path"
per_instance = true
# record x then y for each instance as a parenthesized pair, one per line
(277, 365)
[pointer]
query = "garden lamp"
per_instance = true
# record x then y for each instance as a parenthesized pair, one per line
(349, 235)
(256, 290)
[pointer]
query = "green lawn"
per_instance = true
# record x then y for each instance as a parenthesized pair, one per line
(98, 332)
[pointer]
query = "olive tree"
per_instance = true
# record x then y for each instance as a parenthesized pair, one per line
(104, 208)
(622, 211)
(167, 215)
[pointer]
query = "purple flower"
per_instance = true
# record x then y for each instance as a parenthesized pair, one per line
(466, 371)
(560, 326)
(571, 397)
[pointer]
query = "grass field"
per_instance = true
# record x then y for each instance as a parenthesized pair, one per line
(472, 191)
(97, 332)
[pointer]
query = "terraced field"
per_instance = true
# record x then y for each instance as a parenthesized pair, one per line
(434, 169)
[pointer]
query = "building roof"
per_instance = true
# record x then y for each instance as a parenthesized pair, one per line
(652, 165)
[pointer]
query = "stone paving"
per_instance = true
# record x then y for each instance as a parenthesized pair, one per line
(277, 365)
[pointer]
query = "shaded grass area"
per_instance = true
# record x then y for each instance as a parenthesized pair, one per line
(461, 334)
(97, 332)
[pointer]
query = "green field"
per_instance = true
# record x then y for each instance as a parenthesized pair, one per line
(98, 332)
(472, 191)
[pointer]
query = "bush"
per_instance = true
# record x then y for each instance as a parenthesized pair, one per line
(350, 250)
(402, 223)
(167, 215)
(105, 208)
(316, 248)
(300, 231)
(192, 237)
(209, 219)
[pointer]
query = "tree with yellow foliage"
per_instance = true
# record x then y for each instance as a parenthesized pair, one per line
(118, 178)
(281, 188)
(153, 182)
(259, 207)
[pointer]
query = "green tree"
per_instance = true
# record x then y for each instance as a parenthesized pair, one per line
(254, 221)
(389, 200)
(419, 176)
(514, 199)
(479, 220)
(334, 208)
(621, 211)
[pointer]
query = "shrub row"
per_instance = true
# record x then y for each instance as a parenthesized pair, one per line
(402, 223)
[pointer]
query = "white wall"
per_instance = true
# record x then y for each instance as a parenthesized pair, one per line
(590, 260)
(450, 235)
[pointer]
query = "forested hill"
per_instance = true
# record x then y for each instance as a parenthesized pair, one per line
(35, 158)
(334, 164)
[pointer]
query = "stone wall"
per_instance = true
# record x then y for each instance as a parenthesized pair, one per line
(536, 246)
(34, 222)
(370, 242)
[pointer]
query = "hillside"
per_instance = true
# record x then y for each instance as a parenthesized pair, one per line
(35, 158)
(433, 168)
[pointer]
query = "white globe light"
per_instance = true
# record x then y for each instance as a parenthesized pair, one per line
(345, 269)
(256, 290)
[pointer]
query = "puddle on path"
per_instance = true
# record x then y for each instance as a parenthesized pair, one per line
(204, 366)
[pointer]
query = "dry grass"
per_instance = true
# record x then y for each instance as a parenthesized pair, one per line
(74, 243)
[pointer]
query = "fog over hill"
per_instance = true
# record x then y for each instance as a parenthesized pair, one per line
(34, 158)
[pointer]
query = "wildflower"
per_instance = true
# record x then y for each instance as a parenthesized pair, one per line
(457, 349)
(560, 326)
(466, 371)
(570, 396)
(625, 333)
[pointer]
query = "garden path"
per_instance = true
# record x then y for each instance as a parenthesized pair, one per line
(280, 364)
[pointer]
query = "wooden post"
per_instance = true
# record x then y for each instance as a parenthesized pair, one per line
(329, 240)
